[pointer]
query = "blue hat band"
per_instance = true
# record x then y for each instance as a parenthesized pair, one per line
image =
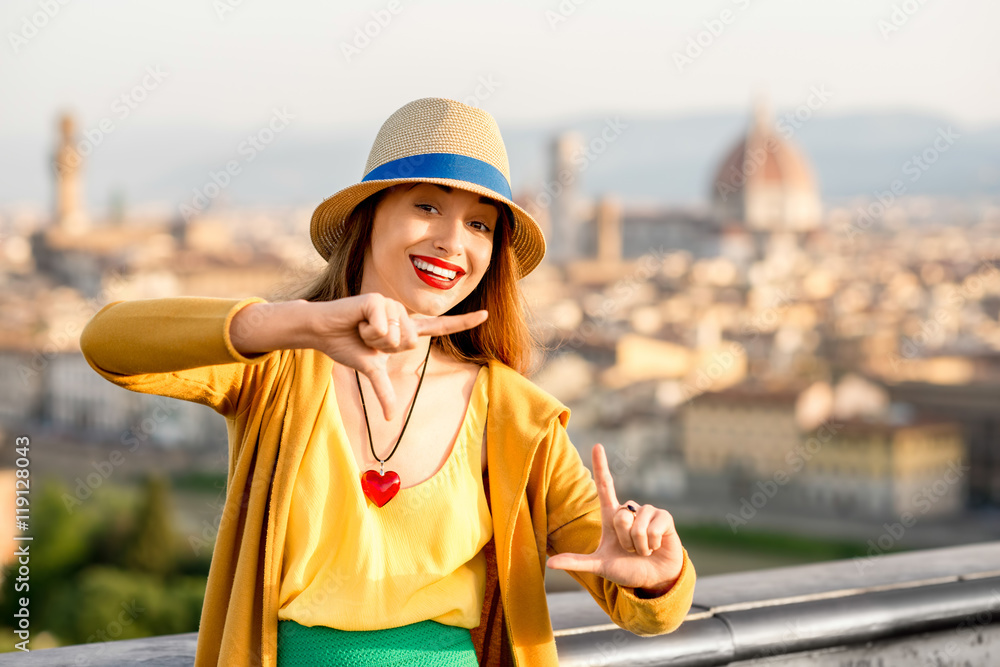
(443, 165)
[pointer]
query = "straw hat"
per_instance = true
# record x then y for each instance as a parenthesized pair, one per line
(434, 140)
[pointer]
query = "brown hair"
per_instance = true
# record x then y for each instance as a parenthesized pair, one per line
(504, 336)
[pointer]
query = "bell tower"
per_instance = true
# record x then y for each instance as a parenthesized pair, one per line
(68, 214)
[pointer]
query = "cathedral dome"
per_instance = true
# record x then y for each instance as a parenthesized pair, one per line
(766, 182)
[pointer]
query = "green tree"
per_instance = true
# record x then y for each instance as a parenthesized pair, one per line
(109, 604)
(108, 568)
(151, 547)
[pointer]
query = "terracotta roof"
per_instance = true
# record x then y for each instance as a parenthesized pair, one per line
(783, 164)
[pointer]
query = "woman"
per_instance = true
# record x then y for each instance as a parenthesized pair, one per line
(342, 541)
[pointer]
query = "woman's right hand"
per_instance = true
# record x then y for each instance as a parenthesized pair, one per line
(362, 331)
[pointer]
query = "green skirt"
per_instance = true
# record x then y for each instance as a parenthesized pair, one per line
(426, 643)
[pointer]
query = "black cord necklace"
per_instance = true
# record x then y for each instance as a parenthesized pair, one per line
(381, 486)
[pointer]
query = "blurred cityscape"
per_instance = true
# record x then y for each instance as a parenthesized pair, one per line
(767, 363)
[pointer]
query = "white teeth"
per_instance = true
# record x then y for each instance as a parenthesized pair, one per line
(436, 270)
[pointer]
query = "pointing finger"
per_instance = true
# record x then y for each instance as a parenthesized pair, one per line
(447, 324)
(602, 477)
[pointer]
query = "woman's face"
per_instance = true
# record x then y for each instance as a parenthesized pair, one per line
(430, 246)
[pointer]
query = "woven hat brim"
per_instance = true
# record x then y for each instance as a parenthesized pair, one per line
(526, 241)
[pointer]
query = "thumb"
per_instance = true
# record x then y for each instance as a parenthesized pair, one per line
(383, 390)
(575, 562)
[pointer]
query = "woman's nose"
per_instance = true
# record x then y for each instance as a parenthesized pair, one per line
(448, 236)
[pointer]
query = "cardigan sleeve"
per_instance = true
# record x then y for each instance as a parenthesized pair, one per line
(179, 347)
(574, 525)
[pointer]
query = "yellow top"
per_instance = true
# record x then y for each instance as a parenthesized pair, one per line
(351, 565)
(544, 499)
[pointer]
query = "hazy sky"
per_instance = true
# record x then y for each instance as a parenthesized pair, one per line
(231, 68)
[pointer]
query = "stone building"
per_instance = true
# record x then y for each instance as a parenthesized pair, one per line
(878, 470)
(841, 451)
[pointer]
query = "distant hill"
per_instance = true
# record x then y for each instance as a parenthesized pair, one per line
(675, 159)
(669, 160)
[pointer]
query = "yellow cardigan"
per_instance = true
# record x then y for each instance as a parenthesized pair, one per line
(543, 499)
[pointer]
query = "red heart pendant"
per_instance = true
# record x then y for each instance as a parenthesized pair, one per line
(380, 488)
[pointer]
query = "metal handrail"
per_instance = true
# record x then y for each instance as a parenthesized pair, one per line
(862, 605)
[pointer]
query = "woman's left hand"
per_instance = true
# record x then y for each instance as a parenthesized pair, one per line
(641, 550)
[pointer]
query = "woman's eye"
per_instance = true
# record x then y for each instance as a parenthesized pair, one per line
(478, 224)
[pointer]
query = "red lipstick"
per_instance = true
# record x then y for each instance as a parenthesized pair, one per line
(433, 279)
